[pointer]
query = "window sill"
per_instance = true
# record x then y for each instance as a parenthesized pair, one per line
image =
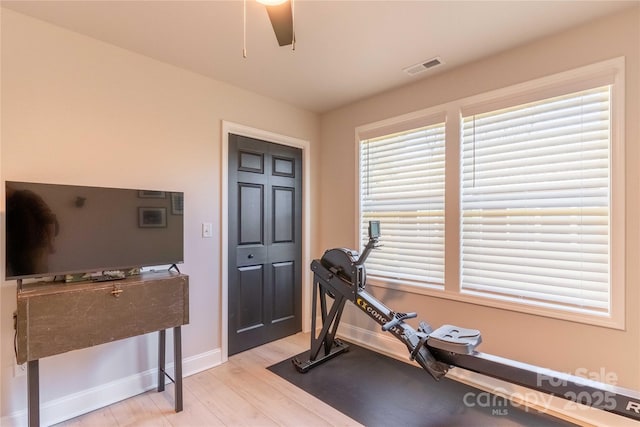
(505, 303)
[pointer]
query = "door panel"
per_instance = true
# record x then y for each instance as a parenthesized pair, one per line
(251, 201)
(283, 166)
(283, 291)
(251, 284)
(251, 162)
(265, 248)
(283, 214)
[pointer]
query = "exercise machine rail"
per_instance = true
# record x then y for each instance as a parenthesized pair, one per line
(339, 276)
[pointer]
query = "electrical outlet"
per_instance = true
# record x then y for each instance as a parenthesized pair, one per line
(19, 370)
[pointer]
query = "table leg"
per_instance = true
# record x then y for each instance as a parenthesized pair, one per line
(161, 358)
(177, 357)
(33, 384)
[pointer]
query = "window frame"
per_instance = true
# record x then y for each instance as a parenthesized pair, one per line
(606, 72)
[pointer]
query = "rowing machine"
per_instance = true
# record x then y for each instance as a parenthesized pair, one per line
(340, 275)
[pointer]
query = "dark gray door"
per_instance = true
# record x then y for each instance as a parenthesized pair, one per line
(265, 248)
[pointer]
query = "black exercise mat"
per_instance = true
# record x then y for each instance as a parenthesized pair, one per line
(376, 390)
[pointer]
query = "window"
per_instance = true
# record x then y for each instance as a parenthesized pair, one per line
(534, 190)
(535, 201)
(402, 186)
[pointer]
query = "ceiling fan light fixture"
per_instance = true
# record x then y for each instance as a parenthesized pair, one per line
(271, 2)
(283, 22)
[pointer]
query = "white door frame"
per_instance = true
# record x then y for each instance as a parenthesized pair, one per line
(305, 146)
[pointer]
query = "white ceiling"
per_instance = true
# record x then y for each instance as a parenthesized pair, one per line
(345, 50)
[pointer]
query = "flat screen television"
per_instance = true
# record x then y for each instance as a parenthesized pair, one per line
(56, 229)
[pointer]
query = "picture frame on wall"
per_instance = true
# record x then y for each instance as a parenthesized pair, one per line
(152, 217)
(148, 194)
(177, 203)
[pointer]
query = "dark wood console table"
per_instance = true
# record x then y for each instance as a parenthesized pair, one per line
(54, 318)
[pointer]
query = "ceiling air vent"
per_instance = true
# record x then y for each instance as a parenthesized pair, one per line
(423, 66)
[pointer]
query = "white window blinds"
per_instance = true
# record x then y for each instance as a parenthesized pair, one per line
(402, 186)
(535, 202)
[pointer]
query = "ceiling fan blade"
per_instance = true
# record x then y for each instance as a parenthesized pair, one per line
(281, 18)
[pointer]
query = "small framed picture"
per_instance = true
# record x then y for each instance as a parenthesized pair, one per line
(152, 217)
(177, 203)
(145, 194)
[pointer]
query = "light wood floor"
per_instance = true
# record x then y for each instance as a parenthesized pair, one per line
(240, 392)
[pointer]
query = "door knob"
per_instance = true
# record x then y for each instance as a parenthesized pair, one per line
(250, 256)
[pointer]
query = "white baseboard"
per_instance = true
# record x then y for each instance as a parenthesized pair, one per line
(73, 405)
(519, 396)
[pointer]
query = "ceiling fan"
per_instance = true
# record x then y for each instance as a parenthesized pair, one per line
(282, 20)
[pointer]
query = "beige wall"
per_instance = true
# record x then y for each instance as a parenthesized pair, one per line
(79, 111)
(556, 344)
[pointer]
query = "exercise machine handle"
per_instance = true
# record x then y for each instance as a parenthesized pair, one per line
(374, 235)
(397, 318)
